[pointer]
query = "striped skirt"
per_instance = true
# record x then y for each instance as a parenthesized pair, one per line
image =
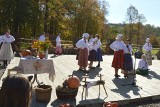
(128, 64)
(58, 50)
(118, 59)
(83, 58)
(99, 55)
(92, 55)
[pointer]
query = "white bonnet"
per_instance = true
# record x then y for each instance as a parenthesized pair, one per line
(85, 35)
(119, 36)
(147, 40)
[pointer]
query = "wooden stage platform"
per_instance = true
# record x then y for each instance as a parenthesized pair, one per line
(67, 64)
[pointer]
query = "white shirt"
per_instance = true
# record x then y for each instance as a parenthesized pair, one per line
(93, 46)
(8, 38)
(143, 64)
(91, 40)
(147, 47)
(128, 50)
(117, 45)
(42, 38)
(58, 41)
(82, 44)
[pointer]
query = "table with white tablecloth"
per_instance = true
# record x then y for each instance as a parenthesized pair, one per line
(37, 66)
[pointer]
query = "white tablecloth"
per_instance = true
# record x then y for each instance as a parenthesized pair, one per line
(37, 66)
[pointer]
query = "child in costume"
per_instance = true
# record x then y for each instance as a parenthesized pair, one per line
(143, 66)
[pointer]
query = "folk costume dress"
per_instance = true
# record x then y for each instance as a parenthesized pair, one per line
(6, 52)
(118, 47)
(92, 51)
(58, 46)
(82, 45)
(148, 48)
(128, 62)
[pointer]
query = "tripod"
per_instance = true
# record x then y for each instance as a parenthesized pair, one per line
(133, 83)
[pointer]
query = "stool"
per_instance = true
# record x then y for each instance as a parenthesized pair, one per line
(98, 82)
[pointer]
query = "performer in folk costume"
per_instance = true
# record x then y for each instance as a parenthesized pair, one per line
(118, 59)
(92, 53)
(6, 52)
(42, 37)
(98, 52)
(82, 45)
(58, 45)
(148, 48)
(128, 62)
(143, 66)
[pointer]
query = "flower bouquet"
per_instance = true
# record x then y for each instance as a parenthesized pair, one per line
(42, 47)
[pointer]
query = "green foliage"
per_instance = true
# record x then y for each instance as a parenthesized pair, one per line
(28, 18)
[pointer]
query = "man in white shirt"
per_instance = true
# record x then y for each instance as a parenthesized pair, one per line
(42, 38)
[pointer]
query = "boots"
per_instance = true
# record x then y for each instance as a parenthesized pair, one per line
(98, 65)
(4, 63)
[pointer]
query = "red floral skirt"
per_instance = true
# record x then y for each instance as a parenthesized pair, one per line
(83, 58)
(118, 59)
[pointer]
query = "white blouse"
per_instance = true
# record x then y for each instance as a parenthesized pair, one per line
(92, 46)
(147, 47)
(42, 38)
(143, 64)
(117, 45)
(8, 38)
(91, 40)
(128, 50)
(82, 44)
(98, 43)
(58, 41)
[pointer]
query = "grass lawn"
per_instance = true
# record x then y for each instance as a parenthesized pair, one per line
(154, 51)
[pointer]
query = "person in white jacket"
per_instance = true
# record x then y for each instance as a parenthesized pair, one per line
(148, 48)
(82, 46)
(6, 52)
(118, 60)
(58, 50)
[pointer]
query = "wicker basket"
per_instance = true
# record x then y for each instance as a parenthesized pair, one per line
(70, 94)
(43, 93)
